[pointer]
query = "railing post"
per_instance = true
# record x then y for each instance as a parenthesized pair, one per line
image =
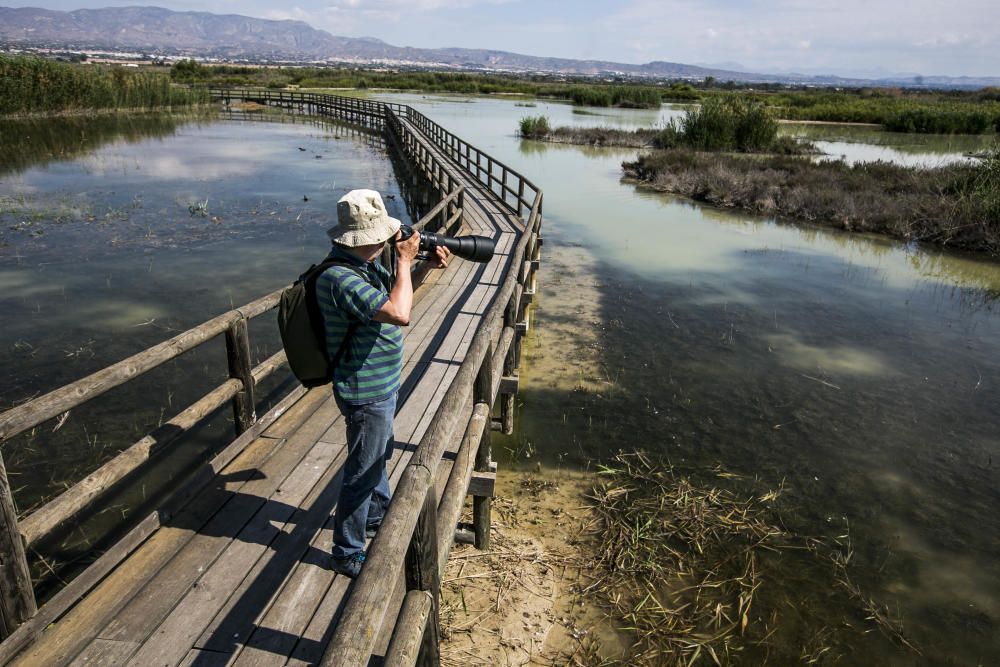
(422, 575)
(507, 401)
(17, 598)
(481, 506)
(238, 355)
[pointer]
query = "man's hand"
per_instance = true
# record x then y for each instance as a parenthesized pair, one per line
(406, 251)
(440, 258)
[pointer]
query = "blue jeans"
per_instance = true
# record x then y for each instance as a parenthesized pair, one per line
(364, 495)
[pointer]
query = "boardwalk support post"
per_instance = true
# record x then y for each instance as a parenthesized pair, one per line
(422, 575)
(481, 505)
(507, 400)
(17, 598)
(238, 355)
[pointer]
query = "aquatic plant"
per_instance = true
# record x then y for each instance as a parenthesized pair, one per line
(689, 568)
(29, 85)
(729, 122)
(534, 127)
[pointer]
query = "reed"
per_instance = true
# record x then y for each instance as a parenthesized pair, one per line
(534, 127)
(32, 85)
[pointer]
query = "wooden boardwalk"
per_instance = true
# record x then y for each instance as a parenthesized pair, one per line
(235, 571)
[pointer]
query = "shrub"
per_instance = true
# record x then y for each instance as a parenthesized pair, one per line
(729, 122)
(535, 127)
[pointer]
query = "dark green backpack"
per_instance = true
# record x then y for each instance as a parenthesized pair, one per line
(303, 334)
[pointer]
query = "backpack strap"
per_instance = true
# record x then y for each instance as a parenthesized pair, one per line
(309, 279)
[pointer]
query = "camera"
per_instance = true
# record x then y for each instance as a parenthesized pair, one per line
(473, 248)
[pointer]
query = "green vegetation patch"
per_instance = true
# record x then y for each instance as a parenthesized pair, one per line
(938, 112)
(729, 122)
(34, 85)
(534, 127)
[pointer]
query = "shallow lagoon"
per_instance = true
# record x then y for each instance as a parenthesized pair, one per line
(860, 372)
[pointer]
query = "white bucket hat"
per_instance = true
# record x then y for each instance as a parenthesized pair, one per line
(362, 220)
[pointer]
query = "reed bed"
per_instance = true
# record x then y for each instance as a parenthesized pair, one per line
(698, 574)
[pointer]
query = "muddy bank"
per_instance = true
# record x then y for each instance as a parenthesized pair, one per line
(523, 602)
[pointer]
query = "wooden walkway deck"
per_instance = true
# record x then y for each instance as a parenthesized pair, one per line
(238, 573)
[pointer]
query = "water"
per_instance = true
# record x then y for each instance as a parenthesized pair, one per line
(863, 373)
(859, 143)
(834, 141)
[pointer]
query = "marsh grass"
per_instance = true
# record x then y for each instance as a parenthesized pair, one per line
(724, 123)
(689, 571)
(954, 205)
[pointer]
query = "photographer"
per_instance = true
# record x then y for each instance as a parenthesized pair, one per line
(363, 308)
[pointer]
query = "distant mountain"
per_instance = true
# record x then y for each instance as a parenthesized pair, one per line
(199, 34)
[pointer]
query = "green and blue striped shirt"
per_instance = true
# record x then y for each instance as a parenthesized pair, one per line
(370, 366)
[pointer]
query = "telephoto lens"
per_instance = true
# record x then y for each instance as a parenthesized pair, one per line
(473, 248)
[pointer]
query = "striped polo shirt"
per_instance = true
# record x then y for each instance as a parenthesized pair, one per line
(369, 369)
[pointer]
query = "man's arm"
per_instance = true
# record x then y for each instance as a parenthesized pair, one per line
(397, 309)
(440, 261)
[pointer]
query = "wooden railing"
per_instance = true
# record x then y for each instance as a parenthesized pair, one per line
(418, 530)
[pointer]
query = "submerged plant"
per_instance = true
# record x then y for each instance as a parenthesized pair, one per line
(692, 573)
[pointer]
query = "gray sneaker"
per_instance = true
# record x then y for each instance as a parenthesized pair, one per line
(371, 529)
(350, 566)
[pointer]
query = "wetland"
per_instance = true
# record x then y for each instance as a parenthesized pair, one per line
(856, 374)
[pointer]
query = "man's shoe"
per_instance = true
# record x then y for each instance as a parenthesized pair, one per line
(371, 529)
(350, 566)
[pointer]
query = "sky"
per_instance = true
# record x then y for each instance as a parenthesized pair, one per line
(866, 38)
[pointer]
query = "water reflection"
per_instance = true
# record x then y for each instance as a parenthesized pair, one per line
(39, 141)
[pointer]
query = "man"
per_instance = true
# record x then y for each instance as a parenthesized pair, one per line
(363, 308)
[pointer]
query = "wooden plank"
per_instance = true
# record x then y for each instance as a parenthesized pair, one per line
(405, 644)
(17, 597)
(421, 569)
(106, 652)
(299, 413)
(144, 612)
(290, 550)
(198, 658)
(195, 483)
(60, 643)
(247, 566)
